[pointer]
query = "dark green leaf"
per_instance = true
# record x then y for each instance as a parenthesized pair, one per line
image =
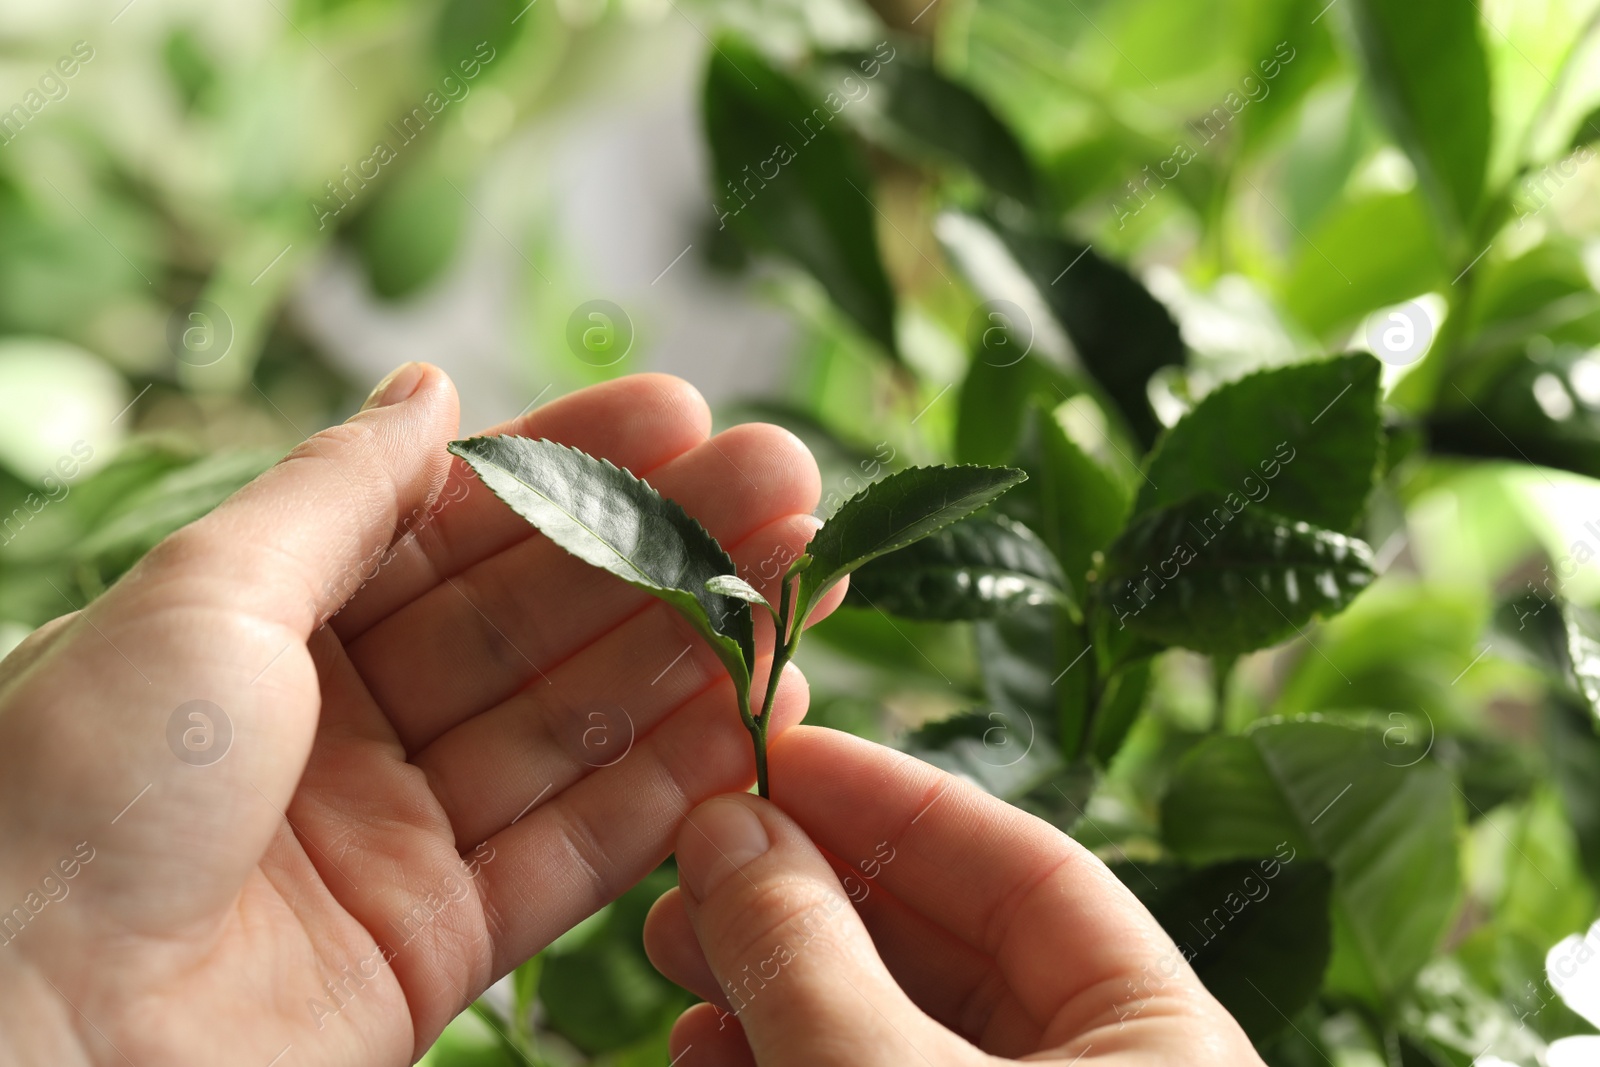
(1003, 752)
(407, 235)
(1037, 668)
(1588, 131)
(1120, 705)
(1541, 408)
(1573, 752)
(1201, 575)
(1490, 772)
(612, 520)
(1332, 793)
(1559, 636)
(1077, 506)
(474, 30)
(995, 397)
(921, 113)
(1252, 930)
(1016, 653)
(1305, 437)
(1430, 78)
(974, 569)
(890, 514)
(1121, 333)
(788, 179)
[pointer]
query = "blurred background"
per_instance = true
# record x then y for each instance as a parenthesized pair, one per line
(220, 224)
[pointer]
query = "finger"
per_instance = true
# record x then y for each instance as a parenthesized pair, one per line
(282, 547)
(674, 950)
(706, 1037)
(557, 731)
(218, 613)
(1003, 882)
(638, 423)
(511, 619)
(952, 982)
(790, 954)
(570, 855)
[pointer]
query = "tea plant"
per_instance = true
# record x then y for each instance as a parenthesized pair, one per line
(612, 520)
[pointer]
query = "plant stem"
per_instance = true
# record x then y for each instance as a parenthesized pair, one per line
(1221, 673)
(782, 649)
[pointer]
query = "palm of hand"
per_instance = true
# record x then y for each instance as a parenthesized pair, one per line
(490, 742)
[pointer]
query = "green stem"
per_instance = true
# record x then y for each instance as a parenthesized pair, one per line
(782, 648)
(1221, 673)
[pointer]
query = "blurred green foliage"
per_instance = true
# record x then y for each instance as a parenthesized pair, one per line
(1020, 231)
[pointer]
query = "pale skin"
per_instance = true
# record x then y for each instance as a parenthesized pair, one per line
(451, 742)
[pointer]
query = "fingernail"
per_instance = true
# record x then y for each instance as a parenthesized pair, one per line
(729, 836)
(396, 386)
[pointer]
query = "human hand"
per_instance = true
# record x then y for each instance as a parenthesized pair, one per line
(371, 820)
(978, 933)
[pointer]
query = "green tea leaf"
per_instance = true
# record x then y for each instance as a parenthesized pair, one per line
(1559, 636)
(406, 236)
(974, 569)
(1430, 78)
(1121, 333)
(1038, 669)
(1540, 408)
(1335, 794)
(916, 111)
(788, 179)
(890, 514)
(1588, 131)
(734, 586)
(612, 520)
(995, 397)
(1077, 505)
(1306, 437)
(1120, 705)
(1573, 754)
(1249, 928)
(1201, 575)
(1004, 753)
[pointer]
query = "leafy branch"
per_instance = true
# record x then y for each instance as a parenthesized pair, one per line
(612, 520)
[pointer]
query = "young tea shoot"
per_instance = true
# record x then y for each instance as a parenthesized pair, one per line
(612, 520)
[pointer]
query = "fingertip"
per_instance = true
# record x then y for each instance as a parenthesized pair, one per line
(674, 950)
(674, 394)
(707, 1036)
(717, 840)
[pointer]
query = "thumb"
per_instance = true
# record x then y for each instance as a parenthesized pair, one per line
(788, 950)
(205, 639)
(298, 541)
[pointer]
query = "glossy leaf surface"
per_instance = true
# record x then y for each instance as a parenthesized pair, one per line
(1302, 440)
(974, 569)
(1336, 794)
(612, 520)
(890, 514)
(1201, 575)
